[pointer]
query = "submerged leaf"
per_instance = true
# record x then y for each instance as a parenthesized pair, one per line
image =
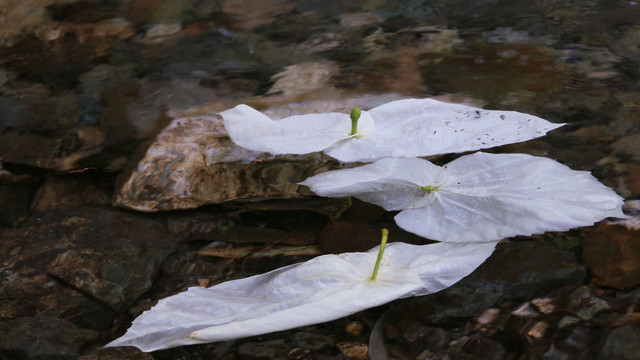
(322, 289)
(478, 197)
(402, 128)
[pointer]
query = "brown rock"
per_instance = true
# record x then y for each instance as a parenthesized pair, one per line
(633, 178)
(249, 14)
(68, 193)
(193, 162)
(354, 350)
(85, 266)
(612, 253)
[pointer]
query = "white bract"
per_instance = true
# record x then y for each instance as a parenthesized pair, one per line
(325, 288)
(478, 197)
(403, 128)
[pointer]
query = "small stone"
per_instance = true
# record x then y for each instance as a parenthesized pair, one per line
(525, 310)
(622, 343)
(353, 20)
(568, 321)
(554, 354)
(544, 305)
(488, 316)
(354, 350)
(538, 330)
(298, 353)
(585, 304)
(310, 339)
(302, 78)
(274, 349)
(354, 328)
(162, 30)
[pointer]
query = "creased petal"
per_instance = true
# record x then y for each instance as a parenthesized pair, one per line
(300, 134)
(322, 289)
(479, 197)
(403, 128)
(492, 196)
(421, 127)
(392, 183)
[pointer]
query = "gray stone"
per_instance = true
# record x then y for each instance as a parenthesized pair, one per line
(42, 338)
(622, 343)
(86, 266)
(274, 349)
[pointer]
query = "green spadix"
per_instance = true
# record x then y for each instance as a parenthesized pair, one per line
(355, 115)
(383, 243)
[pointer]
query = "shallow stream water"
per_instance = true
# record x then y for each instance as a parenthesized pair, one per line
(87, 85)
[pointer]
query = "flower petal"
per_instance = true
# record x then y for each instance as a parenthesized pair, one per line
(487, 197)
(322, 289)
(393, 183)
(300, 134)
(422, 127)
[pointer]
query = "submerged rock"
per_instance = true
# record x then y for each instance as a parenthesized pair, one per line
(86, 266)
(42, 338)
(193, 162)
(612, 253)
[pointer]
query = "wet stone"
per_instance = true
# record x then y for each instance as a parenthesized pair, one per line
(193, 162)
(16, 192)
(42, 338)
(622, 343)
(68, 193)
(87, 265)
(311, 339)
(585, 304)
(532, 266)
(274, 349)
(612, 254)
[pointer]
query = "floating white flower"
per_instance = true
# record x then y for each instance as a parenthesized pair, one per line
(403, 128)
(478, 197)
(325, 288)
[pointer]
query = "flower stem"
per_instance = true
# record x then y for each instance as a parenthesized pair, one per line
(355, 115)
(383, 243)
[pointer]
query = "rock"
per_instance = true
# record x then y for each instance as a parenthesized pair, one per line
(274, 349)
(62, 153)
(627, 46)
(584, 304)
(633, 179)
(86, 265)
(57, 193)
(355, 20)
(354, 350)
(16, 192)
(622, 343)
(311, 339)
(42, 338)
(250, 14)
(72, 43)
(18, 17)
(628, 146)
(612, 254)
(193, 162)
(301, 78)
(516, 269)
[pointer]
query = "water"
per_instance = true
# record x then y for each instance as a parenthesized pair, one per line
(86, 85)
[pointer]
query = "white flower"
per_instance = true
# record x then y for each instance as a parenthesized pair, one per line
(478, 197)
(325, 288)
(403, 128)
